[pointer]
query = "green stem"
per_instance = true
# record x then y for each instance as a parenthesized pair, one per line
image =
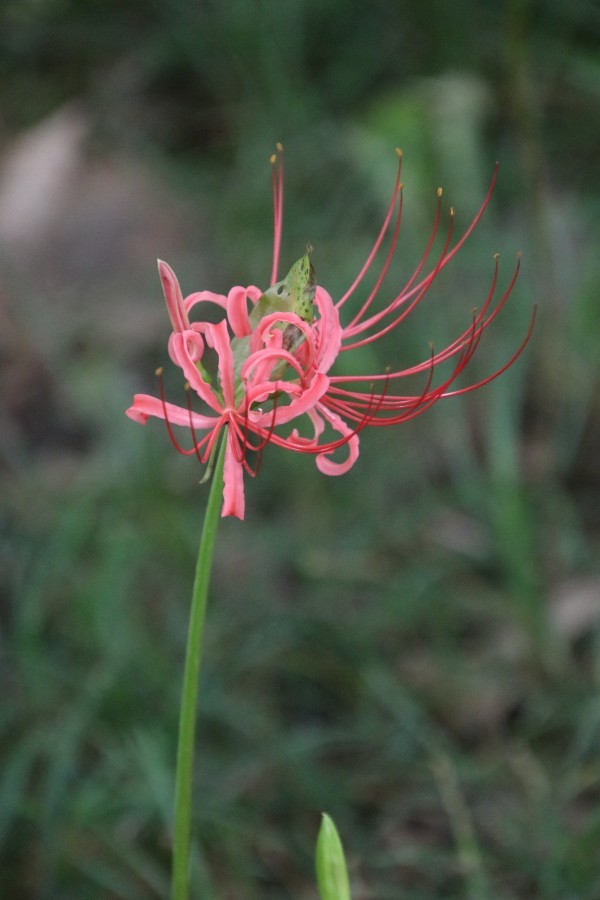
(189, 696)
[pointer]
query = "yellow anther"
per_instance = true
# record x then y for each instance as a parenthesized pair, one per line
(158, 372)
(273, 159)
(440, 191)
(279, 147)
(398, 152)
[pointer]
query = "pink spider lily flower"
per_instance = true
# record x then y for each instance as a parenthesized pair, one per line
(274, 351)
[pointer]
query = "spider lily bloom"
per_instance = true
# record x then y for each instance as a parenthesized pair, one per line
(275, 349)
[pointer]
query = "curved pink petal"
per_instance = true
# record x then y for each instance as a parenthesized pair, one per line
(318, 428)
(172, 291)
(144, 406)
(304, 401)
(180, 347)
(265, 390)
(237, 312)
(233, 479)
(186, 345)
(257, 368)
(217, 337)
(269, 331)
(328, 329)
(276, 318)
(205, 297)
(326, 465)
(254, 293)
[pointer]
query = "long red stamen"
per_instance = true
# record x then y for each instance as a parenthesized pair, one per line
(161, 391)
(193, 451)
(192, 429)
(386, 265)
(411, 405)
(241, 446)
(317, 449)
(417, 292)
(245, 444)
(407, 292)
(380, 237)
(267, 438)
(277, 177)
(467, 233)
(269, 434)
(351, 409)
(483, 320)
(507, 365)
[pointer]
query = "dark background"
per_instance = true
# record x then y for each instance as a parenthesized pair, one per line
(414, 647)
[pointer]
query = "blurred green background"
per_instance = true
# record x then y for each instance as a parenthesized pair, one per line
(414, 647)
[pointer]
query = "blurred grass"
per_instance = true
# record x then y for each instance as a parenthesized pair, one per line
(413, 647)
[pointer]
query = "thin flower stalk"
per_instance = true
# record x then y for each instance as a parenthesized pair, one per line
(184, 773)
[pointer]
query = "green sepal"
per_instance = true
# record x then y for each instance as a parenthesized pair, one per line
(295, 293)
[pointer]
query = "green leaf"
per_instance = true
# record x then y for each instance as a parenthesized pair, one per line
(332, 875)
